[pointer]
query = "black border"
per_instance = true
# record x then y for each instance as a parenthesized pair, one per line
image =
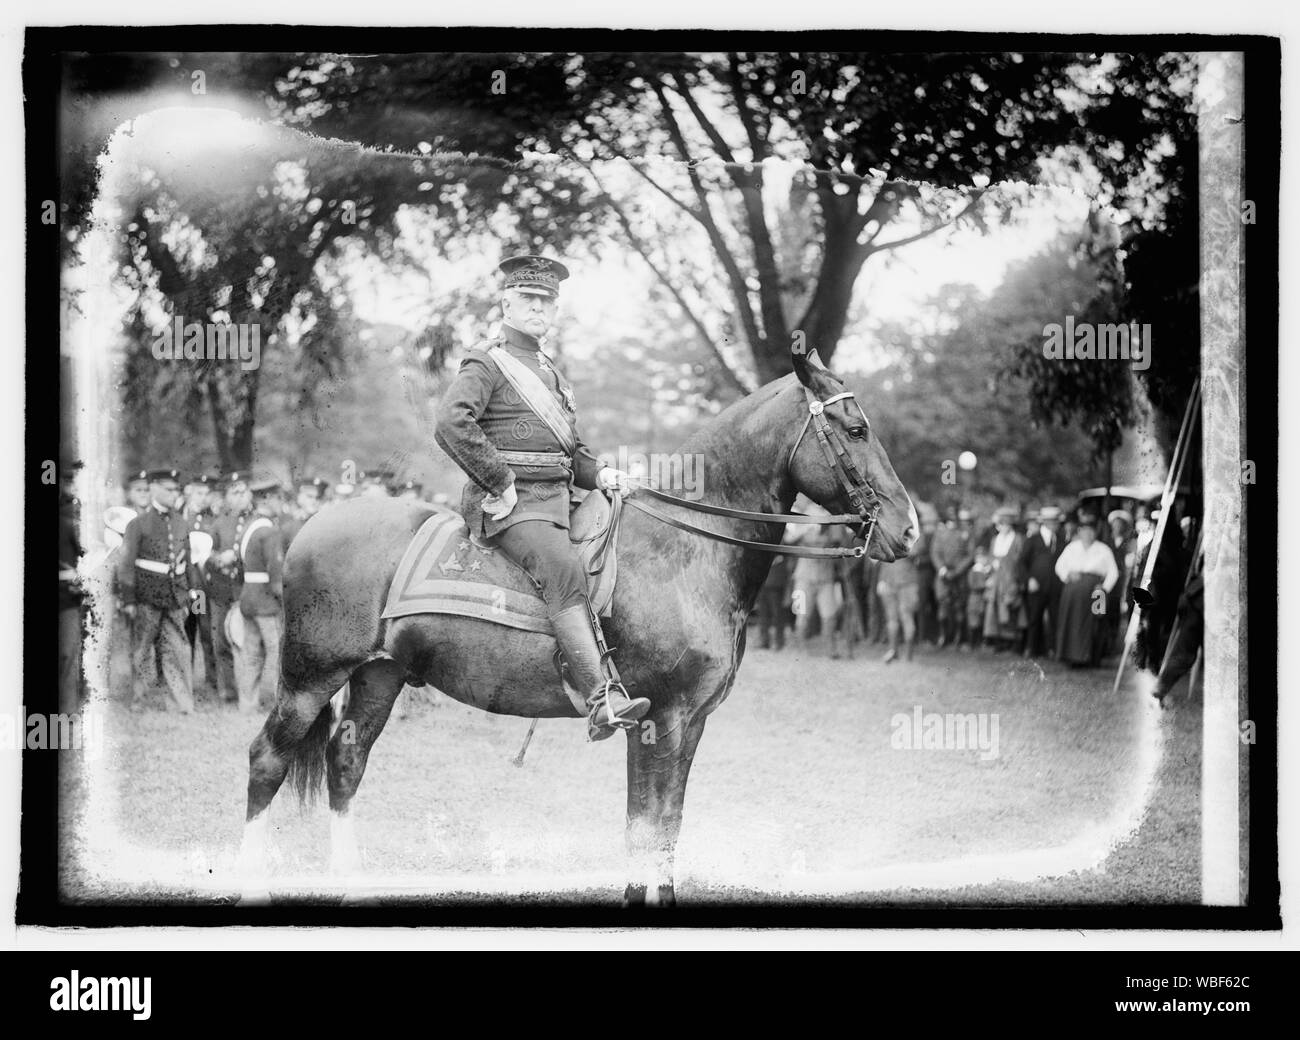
(38, 902)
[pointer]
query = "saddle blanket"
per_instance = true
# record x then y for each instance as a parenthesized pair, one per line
(447, 571)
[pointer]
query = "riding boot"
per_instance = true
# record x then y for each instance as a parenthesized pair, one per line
(591, 673)
(909, 644)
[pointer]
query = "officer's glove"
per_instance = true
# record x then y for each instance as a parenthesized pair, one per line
(611, 479)
(498, 507)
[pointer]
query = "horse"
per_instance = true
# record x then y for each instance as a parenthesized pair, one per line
(683, 598)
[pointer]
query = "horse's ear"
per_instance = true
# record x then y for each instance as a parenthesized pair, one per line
(799, 356)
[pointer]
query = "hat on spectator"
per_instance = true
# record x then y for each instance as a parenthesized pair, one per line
(157, 476)
(1050, 513)
(1120, 514)
(1007, 514)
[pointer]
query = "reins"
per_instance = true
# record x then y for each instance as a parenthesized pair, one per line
(860, 493)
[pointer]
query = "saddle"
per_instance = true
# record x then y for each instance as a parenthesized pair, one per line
(446, 570)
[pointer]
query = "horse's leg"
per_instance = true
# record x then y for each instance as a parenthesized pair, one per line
(372, 690)
(294, 733)
(659, 755)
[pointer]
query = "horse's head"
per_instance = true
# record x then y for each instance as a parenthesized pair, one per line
(826, 476)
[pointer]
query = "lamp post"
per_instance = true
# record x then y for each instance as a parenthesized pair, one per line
(967, 461)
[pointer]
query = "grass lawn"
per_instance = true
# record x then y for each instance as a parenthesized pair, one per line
(799, 791)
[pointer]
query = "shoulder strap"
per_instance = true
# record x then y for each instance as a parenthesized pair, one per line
(254, 525)
(536, 395)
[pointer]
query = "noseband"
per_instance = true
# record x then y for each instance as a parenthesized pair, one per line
(861, 495)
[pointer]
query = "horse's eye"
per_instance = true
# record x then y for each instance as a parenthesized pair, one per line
(858, 433)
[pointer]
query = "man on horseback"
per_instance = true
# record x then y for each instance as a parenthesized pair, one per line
(509, 420)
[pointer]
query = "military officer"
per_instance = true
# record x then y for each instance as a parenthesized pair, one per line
(509, 420)
(224, 573)
(261, 548)
(154, 581)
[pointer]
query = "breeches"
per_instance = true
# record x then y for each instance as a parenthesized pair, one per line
(544, 551)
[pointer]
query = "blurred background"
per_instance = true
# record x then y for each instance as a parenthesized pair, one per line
(916, 218)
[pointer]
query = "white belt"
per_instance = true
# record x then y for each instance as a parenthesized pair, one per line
(154, 565)
(535, 458)
(256, 577)
(68, 575)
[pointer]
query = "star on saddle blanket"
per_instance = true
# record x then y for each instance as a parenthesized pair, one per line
(446, 571)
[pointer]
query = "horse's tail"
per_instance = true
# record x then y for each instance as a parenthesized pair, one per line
(307, 758)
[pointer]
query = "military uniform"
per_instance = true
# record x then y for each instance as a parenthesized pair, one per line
(225, 581)
(491, 432)
(261, 601)
(951, 554)
(154, 577)
(509, 420)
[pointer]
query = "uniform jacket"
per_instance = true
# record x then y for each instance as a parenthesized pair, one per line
(263, 554)
(225, 582)
(155, 539)
(482, 415)
(952, 548)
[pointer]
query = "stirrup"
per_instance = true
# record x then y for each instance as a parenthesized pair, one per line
(599, 728)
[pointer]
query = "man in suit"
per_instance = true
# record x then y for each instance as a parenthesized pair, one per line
(154, 580)
(509, 420)
(1042, 587)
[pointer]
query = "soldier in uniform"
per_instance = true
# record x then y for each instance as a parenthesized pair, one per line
(199, 517)
(311, 491)
(225, 578)
(951, 554)
(154, 580)
(509, 420)
(137, 490)
(261, 601)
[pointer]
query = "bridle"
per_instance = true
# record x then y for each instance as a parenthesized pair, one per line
(861, 495)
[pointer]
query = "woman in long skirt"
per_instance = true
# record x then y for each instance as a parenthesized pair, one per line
(1087, 570)
(1004, 616)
